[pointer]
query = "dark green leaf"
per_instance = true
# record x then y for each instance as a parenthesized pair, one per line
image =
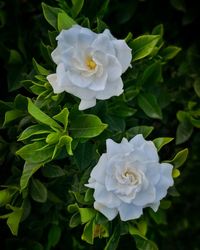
(38, 191)
(179, 158)
(142, 46)
(161, 141)
(114, 239)
(28, 170)
(51, 14)
(170, 52)
(86, 126)
(53, 171)
(144, 130)
(54, 236)
(77, 6)
(148, 103)
(64, 21)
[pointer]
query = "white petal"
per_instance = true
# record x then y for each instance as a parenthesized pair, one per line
(123, 53)
(77, 79)
(102, 196)
(114, 88)
(99, 171)
(165, 181)
(129, 211)
(56, 55)
(146, 147)
(99, 83)
(112, 147)
(85, 104)
(83, 93)
(57, 80)
(145, 196)
(155, 206)
(104, 44)
(153, 172)
(110, 213)
(114, 68)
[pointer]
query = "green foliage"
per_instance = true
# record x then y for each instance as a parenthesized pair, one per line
(48, 148)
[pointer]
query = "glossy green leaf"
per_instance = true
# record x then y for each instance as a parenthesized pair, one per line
(38, 191)
(142, 46)
(143, 244)
(152, 74)
(88, 232)
(63, 117)
(170, 52)
(12, 115)
(53, 138)
(37, 152)
(54, 236)
(86, 126)
(144, 130)
(161, 141)
(75, 220)
(28, 170)
(53, 171)
(114, 239)
(64, 21)
(175, 173)
(183, 132)
(51, 14)
(77, 6)
(179, 158)
(87, 214)
(37, 129)
(14, 220)
(66, 141)
(197, 86)
(195, 122)
(41, 116)
(148, 103)
(40, 69)
(6, 196)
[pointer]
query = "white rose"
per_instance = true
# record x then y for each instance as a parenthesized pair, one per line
(89, 65)
(129, 178)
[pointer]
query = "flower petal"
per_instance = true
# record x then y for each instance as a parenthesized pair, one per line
(123, 53)
(102, 196)
(110, 213)
(145, 196)
(165, 181)
(85, 104)
(114, 68)
(114, 88)
(104, 44)
(99, 83)
(129, 211)
(99, 171)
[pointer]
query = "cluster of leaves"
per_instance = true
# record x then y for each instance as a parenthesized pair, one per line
(50, 146)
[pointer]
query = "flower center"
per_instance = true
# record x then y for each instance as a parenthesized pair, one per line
(90, 63)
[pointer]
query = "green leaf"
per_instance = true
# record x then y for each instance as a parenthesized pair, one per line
(66, 141)
(6, 196)
(88, 232)
(38, 191)
(41, 116)
(75, 220)
(197, 86)
(152, 74)
(34, 130)
(87, 214)
(77, 6)
(144, 130)
(195, 122)
(53, 171)
(54, 236)
(183, 132)
(37, 152)
(64, 21)
(161, 141)
(143, 46)
(40, 69)
(158, 30)
(63, 117)
(170, 52)
(28, 170)
(14, 220)
(135, 231)
(12, 115)
(84, 154)
(143, 244)
(179, 158)
(86, 126)
(51, 14)
(121, 110)
(114, 239)
(148, 103)
(178, 5)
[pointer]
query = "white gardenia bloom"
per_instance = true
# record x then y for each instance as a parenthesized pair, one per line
(129, 178)
(89, 65)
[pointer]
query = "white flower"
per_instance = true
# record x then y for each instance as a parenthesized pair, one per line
(89, 65)
(129, 178)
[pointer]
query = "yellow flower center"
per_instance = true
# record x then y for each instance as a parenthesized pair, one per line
(91, 63)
